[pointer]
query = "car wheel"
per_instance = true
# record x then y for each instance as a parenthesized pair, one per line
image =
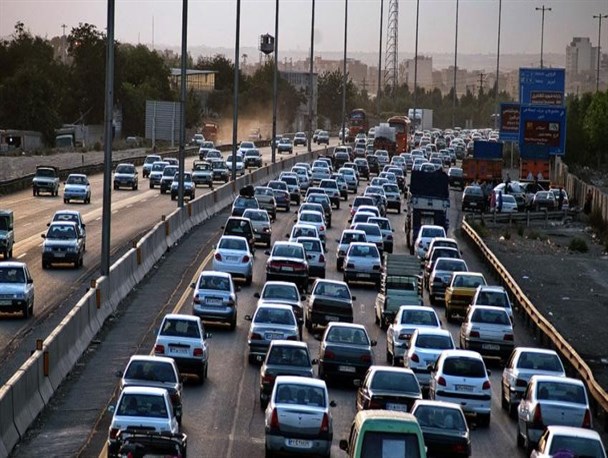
(389, 356)
(268, 453)
(76, 263)
(251, 358)
(376, 319)
(308, 324)
(398, 210)
(202, 374)
(233, 323)
(263, 404)
(34, 192)
(338, 205)
(248, 280)
(25, 311)
(115, 188)
(520, 439)
(44, 265)
(503, 401)
(151, 185)
(65, 201)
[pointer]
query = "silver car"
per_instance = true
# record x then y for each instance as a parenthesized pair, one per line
(348, 236)
(315, 219)
(363, 263)
(260, 221)
(393, 196)
(298, 418)
(77, 187)
(522, 365)
(488, 331)
(316, 256)
(266, 201)
(550, 400)
(214, 298)
(387, 231)
(372, 234)
(232, 255)
(425, 347)
(493, 295)
(156, 173)
(283, 293)
(320, 173)
(16, 288)
(350, 177)
(268, 323)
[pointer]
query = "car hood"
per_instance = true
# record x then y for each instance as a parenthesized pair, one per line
(12, 288)
(45, 179)
(59, 243)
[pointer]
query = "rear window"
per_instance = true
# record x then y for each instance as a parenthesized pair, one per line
(394, 381)
(288, 251)
(152, 371)
(274, 316)
(419, 317)
(490, 317)
(332, 290)
(440, 417)
(394, 445)
(363, 251)
(233, 244)
(280, 292)
(579, 446)
(288, 393)
(313, 246)
(435, 342)
(350, 237)
(354, 336)
(142, 405)
(180, 328)
(432, 232)
(540, 361)
(495, 298)
(362, 201)
(288, 356)
(564, 392)
(464, 367)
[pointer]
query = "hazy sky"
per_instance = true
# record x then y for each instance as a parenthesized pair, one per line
(212, 22)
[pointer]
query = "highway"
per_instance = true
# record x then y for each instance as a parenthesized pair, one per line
(222, 417)
(57, 289)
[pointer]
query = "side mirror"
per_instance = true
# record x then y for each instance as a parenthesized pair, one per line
(337, 240)
(111, 408)
(350, 205)
(354, 298)
(118, 374)
(332, 403)
(208, 335)
(309, 256)
(267, 253)
(48, 224)
(302, 298)
(30, 281)
(222, 227)
(287, 235)
(314, 361)
(344, 445)
(192, 285)
(373, 343)
(248, 318)
(256, 295)
(43, 236)
(84, 225)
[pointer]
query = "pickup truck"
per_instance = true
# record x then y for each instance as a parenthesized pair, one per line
(46, 179)
(460, 292)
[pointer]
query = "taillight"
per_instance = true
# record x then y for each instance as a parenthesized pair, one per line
(459, 449)
(246, 258)
(267, 379)
(328, 354)
(321, 228)
(325, 423)
(160, 349)
(275, 265)
(486, 385)
(274, 419)
(218, 257)
(198, 352)
(508, 337)
(441, 381)
(537, 419)
(373, 404)
(321, 258)
(415, 358)
(389, 237)
(113, 433)
(366, 358)
(341, 253)
(520, 382)
(474, 334)
(255, 336)
(404, 336)
(587, 419)
(299, 267)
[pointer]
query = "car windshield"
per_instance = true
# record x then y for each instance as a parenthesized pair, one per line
(263, 192)
(233, 244)
(398, 445)
(288, 356)
(244, 202)
(464, 367)
(150, 159)
(50, 173)
(125, 169)
(271, 315)
(252, 153)
(287, 393)
(247, 145)
(280, 292)
(394, 381)
(288, 251)
(437, 342)
(214, 283)
(76, 179)
(419, 317)
(490, 317)
(345, 335)
(201, 167)
(560, 391)
(332, 290)
(60, 231)
(169, 171)
(158, 167)
(363, 251)
(440, 417)
(153, 371)
(12, 275)
(180, 328)
(237, 227)
(142, 405)
(391, 188)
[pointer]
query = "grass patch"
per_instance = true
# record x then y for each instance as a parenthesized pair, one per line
(578, 244)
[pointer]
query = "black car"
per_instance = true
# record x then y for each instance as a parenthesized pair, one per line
(340, 158)
(473, 199)
(456, 178)
(282, 199)
(362, 167)
(345, 351)
(372, 162)
(388, 388)
(240, 227)
(329, 301)
(242, 203)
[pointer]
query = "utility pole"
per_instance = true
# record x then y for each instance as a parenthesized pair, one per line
(182, 121)
(64, 50)
(344, 79)
(235, 108)
(482, 76)
(542, 32)
(599, 17)
(379, 59)
(496, 87)
(310, 83)
(455, 68)
(275, 84)
(416, 68)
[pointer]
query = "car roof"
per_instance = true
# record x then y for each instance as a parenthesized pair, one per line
(430, 402)
(63, 223)
(392, 415)
(66, 212)
(151, 359)
(336, 324)
(144, 390)
(547, 351)
(308, 239)
(471, 274)
(367, 244)
(181, 316)
(287, 243)
(82, 175)
(490, 308)
(433, 331)
(300, 381)
(402, 370)
(461, 353)
(12, 264)
(233, 237)
(327, 280)
(574, 431)
(215, 273)
(289, 343)
(491, 289)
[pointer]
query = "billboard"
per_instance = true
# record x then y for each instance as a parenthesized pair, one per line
(542, 131)
(483, 149)
(162, 121)
(542, 86)
(509, 122)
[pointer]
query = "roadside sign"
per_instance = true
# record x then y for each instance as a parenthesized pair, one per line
(483, 149)
(542, 131)
(509, 122)
(542, 86)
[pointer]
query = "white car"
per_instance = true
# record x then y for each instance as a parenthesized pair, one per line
(315, 219)
(268, 323)
(460, 376)
(316, 256)
(427, 233)
(425, 347)
(143, 407)
(282, 293)
(156, 173)
(407, 320)
(303, 230)
(495, 296)
(77, 187)
(580, 442)
(487, 330)
(372, 234)
(348, 236)
(363, 263)
(232, 255)
(298, 417)
(240, 165)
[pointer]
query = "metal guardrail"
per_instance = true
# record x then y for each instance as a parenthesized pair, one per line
(522, 217)
(547, 333)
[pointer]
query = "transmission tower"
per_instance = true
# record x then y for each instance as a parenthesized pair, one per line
(391, 66)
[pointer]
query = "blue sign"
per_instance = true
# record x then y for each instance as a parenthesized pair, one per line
(542, 86)
(483, 149)
(509, 122)
(542, 131)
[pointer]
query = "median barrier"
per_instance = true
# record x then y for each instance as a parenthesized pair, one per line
(544, 328)
(9, 436)
(121, 278)
(27, 402)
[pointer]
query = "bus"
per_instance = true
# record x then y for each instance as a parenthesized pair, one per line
(401, 124)
(358, 123)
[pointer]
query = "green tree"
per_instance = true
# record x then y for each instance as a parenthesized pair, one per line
(329, 102)
(595, 126)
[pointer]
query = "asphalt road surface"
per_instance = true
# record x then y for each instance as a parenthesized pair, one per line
(222, 417)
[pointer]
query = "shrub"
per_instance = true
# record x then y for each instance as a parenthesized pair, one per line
(577, 244)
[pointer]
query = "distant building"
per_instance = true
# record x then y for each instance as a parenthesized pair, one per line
(301, 82)
(581, 66)
(202, 82)
(424, 73)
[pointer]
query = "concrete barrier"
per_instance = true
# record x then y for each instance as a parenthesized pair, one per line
(27, 402)
(9, 436)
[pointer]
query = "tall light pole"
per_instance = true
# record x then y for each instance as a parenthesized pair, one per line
(235, 108)
(380, 59)
(497, 65)
(310, 85)
(182, 99)
(275, 83)
(344, 80)
(106, 211)
(455, 67)
(542, 32)
(599, 17)
(416, 65)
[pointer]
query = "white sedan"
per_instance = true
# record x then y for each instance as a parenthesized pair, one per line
(240, 165)
(232, 255)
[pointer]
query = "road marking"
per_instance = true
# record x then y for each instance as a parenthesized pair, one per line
(27, 224)
(114, 212)
(182, 300)
(129, 206)
(98, 218)
(21, 255)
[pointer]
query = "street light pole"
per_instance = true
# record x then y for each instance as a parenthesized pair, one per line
(273, 146)
(235, 108)
(106, 212)
(380, 59)
(497, 65)
(455, 68)
(182, 99)
(416, 66)
(542, 32)
(599, 17)
(310, 85)
(344, 80)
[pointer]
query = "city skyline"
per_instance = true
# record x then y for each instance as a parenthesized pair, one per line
(211, 23)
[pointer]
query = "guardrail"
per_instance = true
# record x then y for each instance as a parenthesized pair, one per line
(522, 217)
(30, 389)
(547, 334)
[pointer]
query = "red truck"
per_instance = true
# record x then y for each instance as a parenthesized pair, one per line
(481, 169)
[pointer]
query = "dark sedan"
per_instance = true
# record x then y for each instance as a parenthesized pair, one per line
(388, 388)
(544, 199)
(456, 177)
(282, 199)
(362, 167)
(329, 301)
(373, 165)
(287, 262)
(473, 199)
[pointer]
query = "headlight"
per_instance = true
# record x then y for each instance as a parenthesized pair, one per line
(72, 249)
(19, 296)
(48, 249)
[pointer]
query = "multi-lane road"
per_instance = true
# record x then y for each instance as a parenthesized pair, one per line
(57, 289)
(222, 417)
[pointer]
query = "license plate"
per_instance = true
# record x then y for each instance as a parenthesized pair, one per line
(490, 347)
(5, 302)
(393, 406)
(363, 275)
(298, 443)
(331, 318)
(232, 258)
(178, 350)
(287, 269)
(59, 255)
(473, 204)
(467, 388)
(273, 335)
(214, 302)
(349, 369)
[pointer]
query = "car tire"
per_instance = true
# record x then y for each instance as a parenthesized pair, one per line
(308, 324)
(251, 359)
(503, 402)
(25, 311)
(202, 374)
(233, 323)
(520, 439)
(66, 201)
(248, 280)
(263, 404)
(151, 185)
(376, 319)
(115, 188)
(44, 265)
(378, 286)
(389, 357)
(268, 453)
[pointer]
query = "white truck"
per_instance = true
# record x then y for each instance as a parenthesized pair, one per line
(423, 120)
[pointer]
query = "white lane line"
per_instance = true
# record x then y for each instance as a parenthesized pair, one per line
(21, 256)
(27, 224)
(98, 218)
(129, 206)
(114, 212)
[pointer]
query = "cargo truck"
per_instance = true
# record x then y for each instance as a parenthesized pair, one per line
(384, 138)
